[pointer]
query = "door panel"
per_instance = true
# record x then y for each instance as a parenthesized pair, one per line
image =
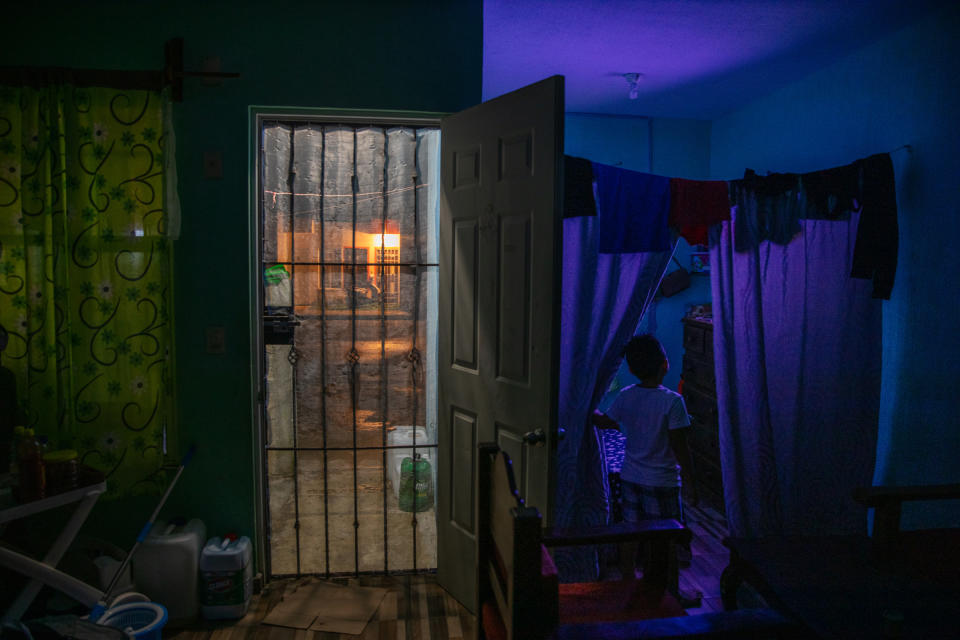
(499, 307)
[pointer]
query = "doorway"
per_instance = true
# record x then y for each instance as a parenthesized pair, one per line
(347, 262)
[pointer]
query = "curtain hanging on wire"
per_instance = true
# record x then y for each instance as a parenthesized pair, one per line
(610, 277)
(85, 273)
(797, 345)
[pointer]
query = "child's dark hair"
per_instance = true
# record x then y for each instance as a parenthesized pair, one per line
(645, 356)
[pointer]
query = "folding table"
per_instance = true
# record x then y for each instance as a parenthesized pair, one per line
(45, 571)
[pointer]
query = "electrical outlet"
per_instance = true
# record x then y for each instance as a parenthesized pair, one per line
(212, 164)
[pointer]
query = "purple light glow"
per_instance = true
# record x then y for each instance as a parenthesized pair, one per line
(700, 58)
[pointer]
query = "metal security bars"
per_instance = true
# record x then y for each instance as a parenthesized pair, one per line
(348, 216)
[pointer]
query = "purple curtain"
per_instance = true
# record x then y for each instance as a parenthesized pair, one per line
(797, 344)
(603, 299)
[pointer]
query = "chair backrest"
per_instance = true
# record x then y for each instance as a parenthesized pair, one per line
(509, 553)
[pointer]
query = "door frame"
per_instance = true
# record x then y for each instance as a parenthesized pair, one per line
(256, 116)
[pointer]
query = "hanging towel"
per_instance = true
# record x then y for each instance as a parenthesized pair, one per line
(632, 209)
(578, 188)
(695, 205)
(875, 254)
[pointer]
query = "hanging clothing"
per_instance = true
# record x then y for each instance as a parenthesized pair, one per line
(875, 256)
(768, 208)
(832, 193)
(578, 199)
(695, 205)
(632, 209)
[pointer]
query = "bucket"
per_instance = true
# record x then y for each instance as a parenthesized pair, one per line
(142, 620)
(166, 568)
(226, 578)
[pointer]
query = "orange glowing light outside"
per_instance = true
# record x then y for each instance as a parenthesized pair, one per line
(387, 240)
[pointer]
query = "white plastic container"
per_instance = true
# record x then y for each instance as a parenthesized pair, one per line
(404, 436)
(226, 578)
(166, 568)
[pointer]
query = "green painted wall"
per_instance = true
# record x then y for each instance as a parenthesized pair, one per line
(423, 56)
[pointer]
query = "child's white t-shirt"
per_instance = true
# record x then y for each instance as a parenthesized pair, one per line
(645, 415)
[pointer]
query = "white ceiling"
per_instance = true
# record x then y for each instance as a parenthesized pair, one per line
(699, 58)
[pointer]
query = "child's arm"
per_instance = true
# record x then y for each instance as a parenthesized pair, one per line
(603, 421)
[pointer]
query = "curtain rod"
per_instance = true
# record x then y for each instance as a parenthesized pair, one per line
(171, 75)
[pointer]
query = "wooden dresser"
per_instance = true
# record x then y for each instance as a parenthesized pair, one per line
(700, 395)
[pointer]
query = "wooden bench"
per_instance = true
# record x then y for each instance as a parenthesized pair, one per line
(519, 596)
(888, 502)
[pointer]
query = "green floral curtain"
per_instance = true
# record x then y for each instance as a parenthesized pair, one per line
(85, 274)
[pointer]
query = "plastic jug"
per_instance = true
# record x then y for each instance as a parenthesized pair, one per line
(226, 577)
(166, 568)
(400, 440)
(416, 484)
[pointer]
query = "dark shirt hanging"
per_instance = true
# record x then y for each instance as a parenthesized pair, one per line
(632, 210)
(578, 188)
(768, 208)
(875, 255)
(832, 193)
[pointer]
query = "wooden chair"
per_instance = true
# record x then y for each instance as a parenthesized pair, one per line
(519, 596)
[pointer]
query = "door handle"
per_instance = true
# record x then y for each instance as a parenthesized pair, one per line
(536, 437)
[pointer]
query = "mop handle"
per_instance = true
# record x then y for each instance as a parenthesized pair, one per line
(149, 525)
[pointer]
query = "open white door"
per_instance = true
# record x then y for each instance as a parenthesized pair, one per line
(499, 300)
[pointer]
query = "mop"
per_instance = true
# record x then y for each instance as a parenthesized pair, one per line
(101, 607)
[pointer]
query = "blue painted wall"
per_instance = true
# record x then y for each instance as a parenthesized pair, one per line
(376, 54)
(900, 90)
(680, 149)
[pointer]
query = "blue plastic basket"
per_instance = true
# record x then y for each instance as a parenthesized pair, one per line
(143, 620)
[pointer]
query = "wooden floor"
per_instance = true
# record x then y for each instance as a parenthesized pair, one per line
(416, 608)
(708, 557)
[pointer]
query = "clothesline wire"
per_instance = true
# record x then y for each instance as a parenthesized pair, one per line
(349, 195)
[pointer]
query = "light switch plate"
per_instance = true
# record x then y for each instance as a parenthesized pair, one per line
(212, 164)
(216, 341)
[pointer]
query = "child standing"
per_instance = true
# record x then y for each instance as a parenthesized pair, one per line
(656, 463)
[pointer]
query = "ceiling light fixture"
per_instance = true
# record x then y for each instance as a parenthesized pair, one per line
(633, 81)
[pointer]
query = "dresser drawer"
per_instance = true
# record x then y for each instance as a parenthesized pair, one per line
(698, 338)
(704, 438)
(693, 337)
(699, 371)
(700, 406)
(707, 471)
